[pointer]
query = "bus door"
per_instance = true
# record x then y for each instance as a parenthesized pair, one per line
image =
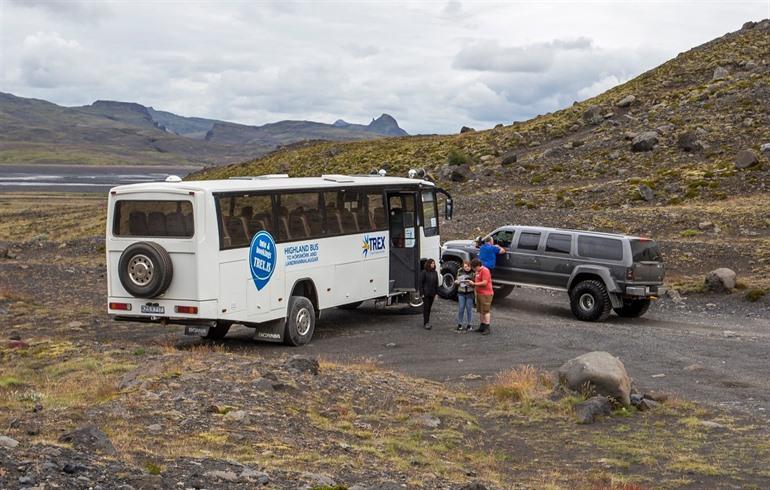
(404, 240)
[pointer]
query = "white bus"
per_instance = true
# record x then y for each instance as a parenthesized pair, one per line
(268, 252)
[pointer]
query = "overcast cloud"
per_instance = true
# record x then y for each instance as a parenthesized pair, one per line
(435, 66)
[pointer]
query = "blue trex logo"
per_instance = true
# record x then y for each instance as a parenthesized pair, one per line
(373, 244)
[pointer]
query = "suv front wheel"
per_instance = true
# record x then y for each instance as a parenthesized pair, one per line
(590, 301)
(633, 308)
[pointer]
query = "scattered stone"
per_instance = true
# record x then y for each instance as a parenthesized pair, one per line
(765, 148)
(599, 371)
(318, 480)
(689, 142)
(466, 129)
(26, 480)
(665, 128)
(426, 420)
(486, 158)
(390, 345)
(89, 438)
(593, 115)
(302, 364)
(155, 428)
(17, 344)
(8, 443)
(72, 468)
(236, 416)
(588, 411)
(14, 336)
(258, 477)
(263, 384)
(711, 424)
(729, 334)
(498, 125)
(229, 476)
(656, 396)
(75, 325)
(694, 367)
(674, 296)
(553, 152)
(626, 101)
(577, 143)
(659, 375)
(473, 486)
(745, 159)
(647, 404)
(645, 141)
(646, 192)
(720, 73)
(508, 158)
(705, 225)
(721, 280)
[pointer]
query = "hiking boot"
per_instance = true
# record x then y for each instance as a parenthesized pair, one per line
(427, 326)
(487, 330)
(460, 327)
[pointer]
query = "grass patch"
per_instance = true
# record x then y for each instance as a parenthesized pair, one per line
(754, 294)
(523, 384)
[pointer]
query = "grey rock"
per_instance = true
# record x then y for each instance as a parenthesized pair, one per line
(674, 295)
(688, 141)
(8, 443)
(390, 345)
(626, 101)
(455, 173)
(26, 480)
(237, 416)
(647, 404)
(765, 148)
(228, 476)
(259, 477)
(318, 480)
(155, 428)
(498, 125)
(466, 129)
(600, 372)
(425, 420)
(646, 192)
(645, 141)
(554, 152)
(588, 411)
(508, 158)
(302, 364)
(711, 424)
(263, 384)
(89, 438)
(745, 159)
(486, 158)
(473, 486)
(72, 468)
(593, 115)
(721, 280)
(706, 225)
(720, 73)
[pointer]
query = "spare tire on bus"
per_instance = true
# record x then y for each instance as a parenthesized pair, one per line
(145, 270)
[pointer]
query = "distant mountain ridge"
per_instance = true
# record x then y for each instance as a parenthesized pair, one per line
(114, 132)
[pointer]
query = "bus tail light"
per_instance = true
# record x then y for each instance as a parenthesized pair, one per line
(188, 310)
(120, 306)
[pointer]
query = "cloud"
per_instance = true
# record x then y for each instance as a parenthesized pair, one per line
(488, 55)
(48, 60)
(77, 10)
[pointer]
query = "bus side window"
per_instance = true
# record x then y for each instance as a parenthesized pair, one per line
(300, 217)
(333, 223)
(378, 219)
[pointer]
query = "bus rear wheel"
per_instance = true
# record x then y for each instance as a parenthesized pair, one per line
(218, 331)
(300, 321)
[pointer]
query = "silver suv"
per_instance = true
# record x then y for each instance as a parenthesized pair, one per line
(600, 271)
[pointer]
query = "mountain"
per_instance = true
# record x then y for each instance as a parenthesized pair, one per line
(681, 152)
(112, 132)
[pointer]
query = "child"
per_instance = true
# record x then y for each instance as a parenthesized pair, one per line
(465, 296)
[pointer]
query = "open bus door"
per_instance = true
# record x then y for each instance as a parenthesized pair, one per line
(404, 240)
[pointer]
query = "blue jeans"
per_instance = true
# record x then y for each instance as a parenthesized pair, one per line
(466, 303)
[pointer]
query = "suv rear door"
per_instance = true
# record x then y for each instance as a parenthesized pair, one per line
(556, 262)
(647, 261)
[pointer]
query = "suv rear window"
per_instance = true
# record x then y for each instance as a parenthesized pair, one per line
(646, 251)
(558, 243)
(528, 240)
(595, 247)
(153, 219)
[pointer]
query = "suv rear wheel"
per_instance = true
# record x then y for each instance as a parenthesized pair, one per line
(633, 308)
(503, 291)
(448, 289)
(590, 301)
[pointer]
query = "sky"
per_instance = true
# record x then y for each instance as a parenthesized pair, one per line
(434, 65)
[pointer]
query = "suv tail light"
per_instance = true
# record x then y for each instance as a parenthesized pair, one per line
(630, 274)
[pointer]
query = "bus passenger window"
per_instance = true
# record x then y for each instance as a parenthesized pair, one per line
(300, 218)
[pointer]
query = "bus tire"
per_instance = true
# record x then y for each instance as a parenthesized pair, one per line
(218, 331)
(300, 321)
(145, 269)
(350, 306)
(447, 289)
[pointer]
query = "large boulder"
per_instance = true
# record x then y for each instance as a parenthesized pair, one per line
(89, 438)
(508, 158)
(466, 129)
(720, 73)
(302, 364)
(645, 141)
(646, 192)
(593, 115)
(455, 173)
(745, 159)
(626, 101)
(721, 280)
(600, 372)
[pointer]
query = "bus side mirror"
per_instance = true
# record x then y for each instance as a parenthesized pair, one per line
(448, 208)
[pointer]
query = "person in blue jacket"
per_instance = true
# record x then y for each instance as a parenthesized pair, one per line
(488, 253)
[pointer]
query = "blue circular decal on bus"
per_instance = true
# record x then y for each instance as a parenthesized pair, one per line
(262, 258)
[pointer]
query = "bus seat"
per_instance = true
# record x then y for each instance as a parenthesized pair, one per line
(156, 224)
(333, 221)
(298, 226)
(349, 223)
(175, 224)
(247, 212)
(260, 222)
(283, 223)
(137, 223)
(188, 223)
(377, 216)
(226, 241)
(238, 234)
(314, 222)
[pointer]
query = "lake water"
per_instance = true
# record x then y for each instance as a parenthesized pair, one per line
(80, 178)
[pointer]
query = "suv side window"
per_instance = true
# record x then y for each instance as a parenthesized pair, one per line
(558, 243)
(600, 248)
(504, 238)
(528, 240)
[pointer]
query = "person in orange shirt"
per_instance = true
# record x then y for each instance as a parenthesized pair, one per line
(484, 294)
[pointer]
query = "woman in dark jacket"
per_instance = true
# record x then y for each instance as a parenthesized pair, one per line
(428, 290)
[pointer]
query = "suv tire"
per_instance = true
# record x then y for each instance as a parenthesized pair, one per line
(218, 331)
(145, 270)
(503, 291)
(590, 301)
(300, 321)
(633, 308)
(447, 288)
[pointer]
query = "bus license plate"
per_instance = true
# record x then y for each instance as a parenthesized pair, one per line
(153, 309)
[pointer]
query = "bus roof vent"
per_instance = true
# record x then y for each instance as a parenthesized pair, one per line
(338, 178)
(261, 177)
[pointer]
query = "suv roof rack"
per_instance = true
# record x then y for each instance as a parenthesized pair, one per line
(338, 178)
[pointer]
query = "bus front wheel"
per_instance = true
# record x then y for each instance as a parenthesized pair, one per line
(300, 321)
